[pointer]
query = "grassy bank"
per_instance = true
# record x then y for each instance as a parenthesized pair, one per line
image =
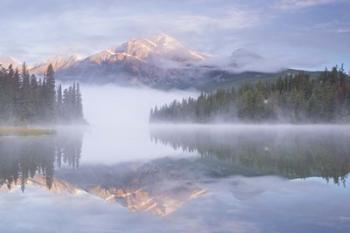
(24, 131)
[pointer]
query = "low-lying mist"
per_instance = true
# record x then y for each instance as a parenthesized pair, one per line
(118, 122)
(122, 107)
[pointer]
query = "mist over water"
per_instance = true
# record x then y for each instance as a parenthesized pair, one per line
(255, 150)
(119, 122)
(250, 134)
(121, 173)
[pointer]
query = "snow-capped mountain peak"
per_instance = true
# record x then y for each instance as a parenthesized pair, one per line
(100, 57)
(58, 63)
(159, 47)
(142, 55)
(166, 41)
(145, 55)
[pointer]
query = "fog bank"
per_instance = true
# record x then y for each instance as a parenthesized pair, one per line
(118, 122)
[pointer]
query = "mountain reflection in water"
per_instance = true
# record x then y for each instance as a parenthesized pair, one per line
(216, 179)
(52, 163)
(159, 186)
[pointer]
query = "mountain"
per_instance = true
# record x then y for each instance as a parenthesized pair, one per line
(5, 62)
(58, 63)
(161, 62)
(159, 47)
(152, 61)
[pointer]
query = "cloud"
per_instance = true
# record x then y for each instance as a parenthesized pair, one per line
(297, 4)
(42, 30)
(232, 20)
(89, 28)
(335, 26)
(343, 30)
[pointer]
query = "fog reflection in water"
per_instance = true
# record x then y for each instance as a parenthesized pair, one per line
(235, 179)
(287, 151)
(21, 158)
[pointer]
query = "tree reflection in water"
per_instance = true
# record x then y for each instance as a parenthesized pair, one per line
(292, 153)
(22, 158)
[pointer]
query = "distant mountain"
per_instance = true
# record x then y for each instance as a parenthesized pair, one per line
(163, 62)
(159, 61)
(5, 62)
(58, 63)
(159, 47)
(145, 61)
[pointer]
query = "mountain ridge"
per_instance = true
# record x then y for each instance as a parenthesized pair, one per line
(158, 61)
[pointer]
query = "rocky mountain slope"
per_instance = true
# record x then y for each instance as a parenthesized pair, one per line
(5, 62)
(155, 61)
(59, 63)
(158, 61)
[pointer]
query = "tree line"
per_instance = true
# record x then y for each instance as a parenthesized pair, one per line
(297, 98)
(26, 99)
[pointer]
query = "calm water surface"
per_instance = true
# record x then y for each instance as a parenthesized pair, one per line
(121, 175)
(177, 179)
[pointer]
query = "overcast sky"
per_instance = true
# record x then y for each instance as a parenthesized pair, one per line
(306, 33)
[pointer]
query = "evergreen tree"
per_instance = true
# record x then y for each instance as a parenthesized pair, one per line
(79, 103)
(294, 98)
(49, 94)
(25, 99)
(59, 104)
(26, 108)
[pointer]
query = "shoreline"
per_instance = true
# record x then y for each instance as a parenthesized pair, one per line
(25, 131)
(265, 126)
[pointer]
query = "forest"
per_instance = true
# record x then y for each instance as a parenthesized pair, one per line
(294, 98)
(26, 99)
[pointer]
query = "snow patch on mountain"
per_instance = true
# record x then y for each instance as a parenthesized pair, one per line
(150, 50)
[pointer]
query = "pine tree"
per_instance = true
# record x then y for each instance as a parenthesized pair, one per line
(79, 103)
(24, 99)
(59, 104)
(25, 96)
(50, 94)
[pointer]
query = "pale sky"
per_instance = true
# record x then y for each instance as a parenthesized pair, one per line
(304, 33)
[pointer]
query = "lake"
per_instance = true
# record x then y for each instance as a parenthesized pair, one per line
(120, 174)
